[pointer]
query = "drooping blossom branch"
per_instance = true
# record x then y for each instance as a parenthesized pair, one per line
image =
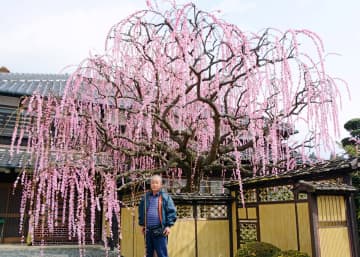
(178, 91)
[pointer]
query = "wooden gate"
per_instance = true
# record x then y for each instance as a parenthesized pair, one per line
(333, 228)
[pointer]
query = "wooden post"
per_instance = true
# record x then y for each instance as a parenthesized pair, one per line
(314, 227)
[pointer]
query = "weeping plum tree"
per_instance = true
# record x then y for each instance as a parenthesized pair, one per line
(180, 92)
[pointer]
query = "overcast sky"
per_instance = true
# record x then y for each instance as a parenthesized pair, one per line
(41, 36)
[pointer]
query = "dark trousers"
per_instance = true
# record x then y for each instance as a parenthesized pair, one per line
(158, 244)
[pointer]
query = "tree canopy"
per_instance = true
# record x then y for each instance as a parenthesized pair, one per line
(353, 126)
(179, 92)
(351, 144)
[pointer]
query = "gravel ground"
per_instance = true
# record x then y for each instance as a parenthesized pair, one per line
(54, 251)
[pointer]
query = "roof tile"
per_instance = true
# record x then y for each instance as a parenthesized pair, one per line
(16, 84)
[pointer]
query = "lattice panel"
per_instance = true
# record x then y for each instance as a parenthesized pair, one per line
(303, 196)
(184, 211)
(212, 211)
(248, 232)
(249, 196)
(280, 193)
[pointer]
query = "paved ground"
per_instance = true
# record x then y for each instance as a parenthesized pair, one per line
(14, 250)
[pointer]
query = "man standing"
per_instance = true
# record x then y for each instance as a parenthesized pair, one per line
(157, 213)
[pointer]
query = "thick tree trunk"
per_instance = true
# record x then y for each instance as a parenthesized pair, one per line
(193, 179)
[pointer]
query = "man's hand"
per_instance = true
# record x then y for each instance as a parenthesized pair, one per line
(166, 231)
(143, 230)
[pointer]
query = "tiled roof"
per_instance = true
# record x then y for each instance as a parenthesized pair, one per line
(24, 84)
(323, 186)
(18, 160)
(318, 171)
(23, 159)
(16, 84)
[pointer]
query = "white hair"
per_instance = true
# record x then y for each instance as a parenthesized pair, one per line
(156, 177)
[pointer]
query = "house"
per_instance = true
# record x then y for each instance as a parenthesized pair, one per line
(13, 87)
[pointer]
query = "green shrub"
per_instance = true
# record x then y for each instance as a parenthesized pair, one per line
(258, 249)
(292, 253)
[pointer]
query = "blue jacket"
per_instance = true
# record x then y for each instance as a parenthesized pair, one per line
(168, 209)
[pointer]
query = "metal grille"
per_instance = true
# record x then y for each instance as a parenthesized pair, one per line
(206, 186)
(280, 193)
(185, 211)
(248, 232)
(212, 211)
(212, 187)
